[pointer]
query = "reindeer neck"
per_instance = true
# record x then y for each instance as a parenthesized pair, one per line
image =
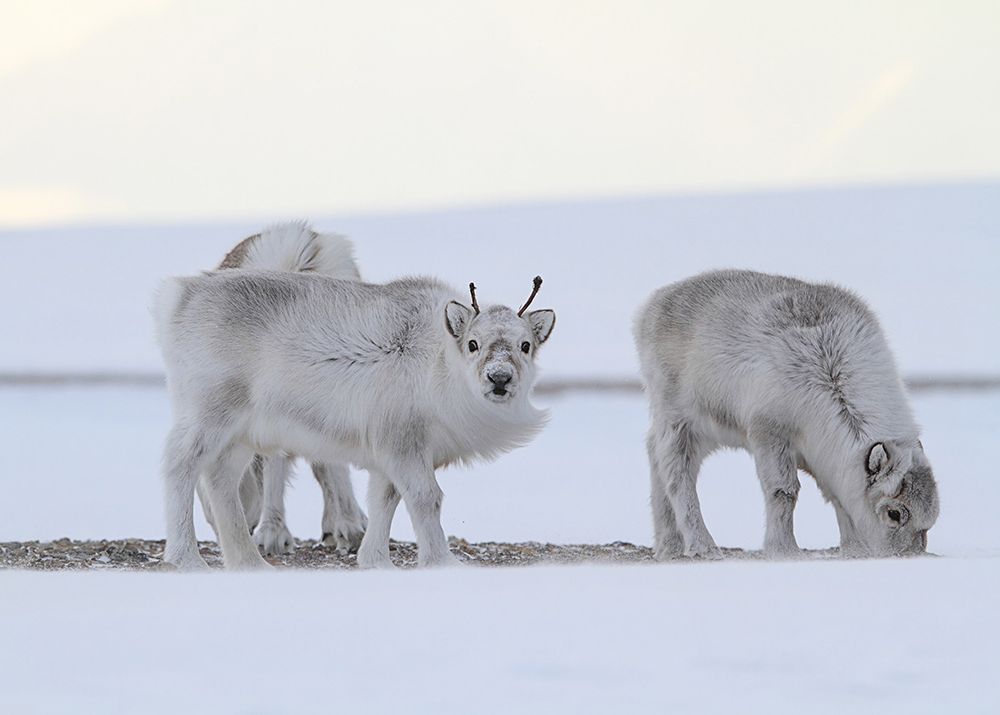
(471, 427)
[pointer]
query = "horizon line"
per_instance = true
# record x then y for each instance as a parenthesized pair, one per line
(917, 383)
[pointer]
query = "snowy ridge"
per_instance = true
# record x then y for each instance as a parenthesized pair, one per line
(893, 246)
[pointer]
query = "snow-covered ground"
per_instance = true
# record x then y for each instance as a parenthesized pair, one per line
(821, 637)
(870, 637)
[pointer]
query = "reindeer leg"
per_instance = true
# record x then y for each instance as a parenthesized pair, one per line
(206, 506)
(778, 474)
(344, 523)
(223, 487)
(850, 542)
(183, 459)
(418, 486)
(251, 492)
(678, 453)
(383, 498)
(272, 536)
(668, 542)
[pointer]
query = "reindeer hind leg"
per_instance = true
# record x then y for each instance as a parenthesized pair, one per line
(344, 522)
(184, 458)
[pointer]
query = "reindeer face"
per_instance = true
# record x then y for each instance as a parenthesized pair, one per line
(498, 347)
(902, 499)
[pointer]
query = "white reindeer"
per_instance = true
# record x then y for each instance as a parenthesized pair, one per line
(399, 379)
(801, 376)
(295, 247)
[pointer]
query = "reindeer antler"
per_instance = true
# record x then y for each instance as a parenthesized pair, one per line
(531, 298)
(475, 303)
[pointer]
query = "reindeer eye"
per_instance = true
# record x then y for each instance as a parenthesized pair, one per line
(473, 346)
(895, 515)
(525, 347)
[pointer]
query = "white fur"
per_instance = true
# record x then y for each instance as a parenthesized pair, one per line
(295, 247)
(799, 375)
(334, 371)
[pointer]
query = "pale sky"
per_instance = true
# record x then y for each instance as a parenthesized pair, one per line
(128, 110)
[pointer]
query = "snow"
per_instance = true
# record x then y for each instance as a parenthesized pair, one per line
(910, 636)
(818, 637)
(860, 636)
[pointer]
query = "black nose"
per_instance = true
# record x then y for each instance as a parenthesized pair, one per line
(500, 381)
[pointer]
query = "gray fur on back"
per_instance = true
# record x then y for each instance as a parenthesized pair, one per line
(770, 363)
(266, 313)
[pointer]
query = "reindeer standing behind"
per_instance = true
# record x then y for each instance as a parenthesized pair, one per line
(295, 247)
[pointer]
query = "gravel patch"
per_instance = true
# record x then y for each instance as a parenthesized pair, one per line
(141, 555)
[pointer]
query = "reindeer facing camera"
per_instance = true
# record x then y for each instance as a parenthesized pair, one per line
(399, 379)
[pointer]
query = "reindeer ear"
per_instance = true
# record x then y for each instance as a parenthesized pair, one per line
(542, 323)
(457, 318)
(878, 460)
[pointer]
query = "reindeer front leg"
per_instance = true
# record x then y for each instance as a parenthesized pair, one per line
(383, 498)
(423, 497)
(850, 542)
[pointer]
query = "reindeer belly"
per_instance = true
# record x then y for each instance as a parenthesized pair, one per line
(313, 440)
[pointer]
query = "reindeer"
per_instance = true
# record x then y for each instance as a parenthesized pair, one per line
(295, 247)
(798, 374)
(399, 379)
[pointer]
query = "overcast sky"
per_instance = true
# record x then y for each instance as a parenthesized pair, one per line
(125, 110)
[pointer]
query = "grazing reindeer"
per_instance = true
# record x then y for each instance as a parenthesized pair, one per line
(399, 379)
(800, 376)
(295, 247)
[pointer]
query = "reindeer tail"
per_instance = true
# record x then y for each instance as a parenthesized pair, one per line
(296, 247)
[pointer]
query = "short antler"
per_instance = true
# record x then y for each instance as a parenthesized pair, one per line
(531, 298)
(475, 303)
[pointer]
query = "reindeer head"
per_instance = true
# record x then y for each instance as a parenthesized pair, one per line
(497, 345)
(901, 499)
